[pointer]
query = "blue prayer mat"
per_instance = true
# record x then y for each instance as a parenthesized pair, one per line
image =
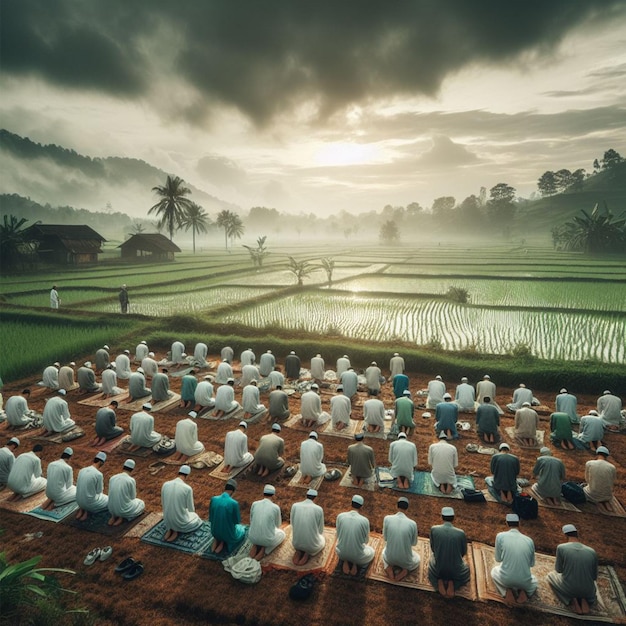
(423, 484)
(98, 523)
(55, 515)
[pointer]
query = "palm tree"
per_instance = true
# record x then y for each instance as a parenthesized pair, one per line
(235, 228)
(197, 219)
(14, 243)
(260, 252)
(597, 232)
(173, 204)
(328, 264)
(300, 269)
(224, 219)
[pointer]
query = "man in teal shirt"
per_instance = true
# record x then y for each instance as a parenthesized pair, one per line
(225, 519)
(404, 412)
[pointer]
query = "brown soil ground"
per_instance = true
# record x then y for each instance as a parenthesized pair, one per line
(177, 589)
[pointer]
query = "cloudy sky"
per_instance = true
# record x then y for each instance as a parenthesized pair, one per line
(322, 105)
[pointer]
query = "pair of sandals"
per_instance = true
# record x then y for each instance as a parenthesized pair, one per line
(130, 569)
(98, 554)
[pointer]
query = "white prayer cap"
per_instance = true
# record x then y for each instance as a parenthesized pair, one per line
(68, 451)
(545, 451)
(401, 435)
(312, 493)
(62, 392)
(437, 377)
(56, 364)
(183, 354)
(593, 412)
(339, 387)
(504, 445)
(73, 363)
(184, 469)
(276, 428)
(403, 500)
(101, 456)
(14, 440)
(244, 424)
(126, 351)
(147, 406)
(396, 354)
(512, 517)
(487, 377)
(442, 435)
(140, 370)
(374, 363)
(606, 392)
(269, 352)
(123, 286)
(426, 415)
(208, 377)
(563, 390)
(129, 464)
(269, 490)
(569, 528)
(144, 342)
(292, 352)
(150, 354)
(105, 346)
(253, 381)
(447, 396)
(312, 435)
(345, 356)
(602, 450)
(87, 363)
(315, 386)
(464, 379)
(406, 392)
(192, 414)
(230, 380)
(447, 511)
(231, 484)
(525, 403)
(522, 385)
(357, 499)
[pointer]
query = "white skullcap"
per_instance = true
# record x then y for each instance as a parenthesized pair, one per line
(464, 379)
(101, 456)
(447, 396)
(129, 464)
(526, 404)
(14, 440)
(312, 492)
(487, 377)
(72, 363)
(126, 351)
(147, 406)
(401, 435)
(512, 517)
(184, 469)
(150, 354)
(62, 392)
(68, 451)
(105, 346)
(140, 370)
(357, 499)
(569, 528)
(56, 364)
(504, 445)
(563, 390)
(447, 511)
(192, 414)
(244, 424)
(144, 342)
(269, 490)
(437, 377)
(87, 363)
(312, 435)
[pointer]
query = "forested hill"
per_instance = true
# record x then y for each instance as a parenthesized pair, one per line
(63, 177)
(607, 186)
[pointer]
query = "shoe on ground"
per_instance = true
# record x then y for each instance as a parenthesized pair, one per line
(92, 557)
(125, 565)
(105, 553)
(133, 572)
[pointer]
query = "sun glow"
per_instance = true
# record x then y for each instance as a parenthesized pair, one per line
(345, 153)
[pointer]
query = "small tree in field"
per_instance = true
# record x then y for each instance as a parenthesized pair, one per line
(328, 264)
(259, 253)
(389, 232)
(300, 269)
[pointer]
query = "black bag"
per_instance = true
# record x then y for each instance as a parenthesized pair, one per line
(573, 492)
(303, 588)
(525, 506)
(472, 495)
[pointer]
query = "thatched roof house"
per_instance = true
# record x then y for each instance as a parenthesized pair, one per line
(66, 244)
(149, 247)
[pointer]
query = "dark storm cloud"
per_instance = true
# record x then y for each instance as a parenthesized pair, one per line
(265, 56)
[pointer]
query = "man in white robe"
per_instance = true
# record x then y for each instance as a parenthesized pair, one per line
(465, 398)
(186, 438)
(142, 433)
(251, 400)
(311, 408)
(102, 358)
(265, 520)
(520, 395)
(443, 458)
(67, 376)
(122, 365)
(87, 378)
(400, 535)
(200, 353)
(178, 352)
(109, 383)
(227, 354)
(373, 376)
(526, 423)
(16, 408)
(224, 372)
(249, 373)
(51, 376)
(311, 458)
(609, 407)
(567, 403)
(350, 381)
(123, 501)
(7, 459)
(396, 365)
(600, 476)
(149, 365)
(160, 387)
(374, 414)
(90, 495)
(486, 388)
(247, 357)
(203, 395)
(25, 478)
(178, 507)
(141, 351)
(225, 399)
(137, 386)
(267, 363)
(353, 534)
(590, 431)
(436, 391)
(343, 365)
(318, 367)
(340, 410)
(276, 378)
(307, 528)
(403, 460)
(54, 298)
(236, 448)
(56, 415)
(60, 487)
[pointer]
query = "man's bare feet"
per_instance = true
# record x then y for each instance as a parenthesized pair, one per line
(450, 589)
(509, 598)
(390, 573)
(584, 606)
(218, 546)
(522, 597)
(576, 606)
(441, 588)
(260, 553)
(345, 568)
(297, 555)
(118, 521)
(354, 570)
(307, 479)
(402, 574)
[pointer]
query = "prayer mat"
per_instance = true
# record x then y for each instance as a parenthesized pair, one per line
(542, 409)
(242, 548)
(422, 484)
(375, 541)
(296, 481)
(147, 522)
(135, 405)
(32, 432)
(183, 372)
(418, 578)
(381, 434)
(166, 405)
(347, 432)
(98, 523)
(295, 422)
(75, 432)
(40, 390)
(510, 431)
(219, 472)
(123, 447)
(57, 514)
(610, 605)
(202, 460)
(368, 485)
(281, 557)
(256, 417)
(101, 399)
(563, 505)
(237, 413)
(23, 505)
(616, 506)
(110, 445)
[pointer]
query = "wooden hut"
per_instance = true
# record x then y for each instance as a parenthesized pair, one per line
(151, 247)
(66, 244)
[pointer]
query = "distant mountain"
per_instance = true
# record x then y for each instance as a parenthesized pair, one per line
(58, 176)
(607, 186)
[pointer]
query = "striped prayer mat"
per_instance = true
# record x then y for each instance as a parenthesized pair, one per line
(57, 514)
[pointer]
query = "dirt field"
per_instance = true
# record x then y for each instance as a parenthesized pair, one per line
(178, 589)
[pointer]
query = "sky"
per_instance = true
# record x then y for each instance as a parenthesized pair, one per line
(319, 106)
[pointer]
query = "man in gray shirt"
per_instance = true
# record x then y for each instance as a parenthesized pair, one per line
(361, 461)
(505, 469)
(551, 474)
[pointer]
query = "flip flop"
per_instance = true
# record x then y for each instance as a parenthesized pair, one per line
(125, 565)
(133, 572)
(156, 467)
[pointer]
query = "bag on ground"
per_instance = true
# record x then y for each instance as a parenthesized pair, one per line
(525, 506)
(573, 492)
